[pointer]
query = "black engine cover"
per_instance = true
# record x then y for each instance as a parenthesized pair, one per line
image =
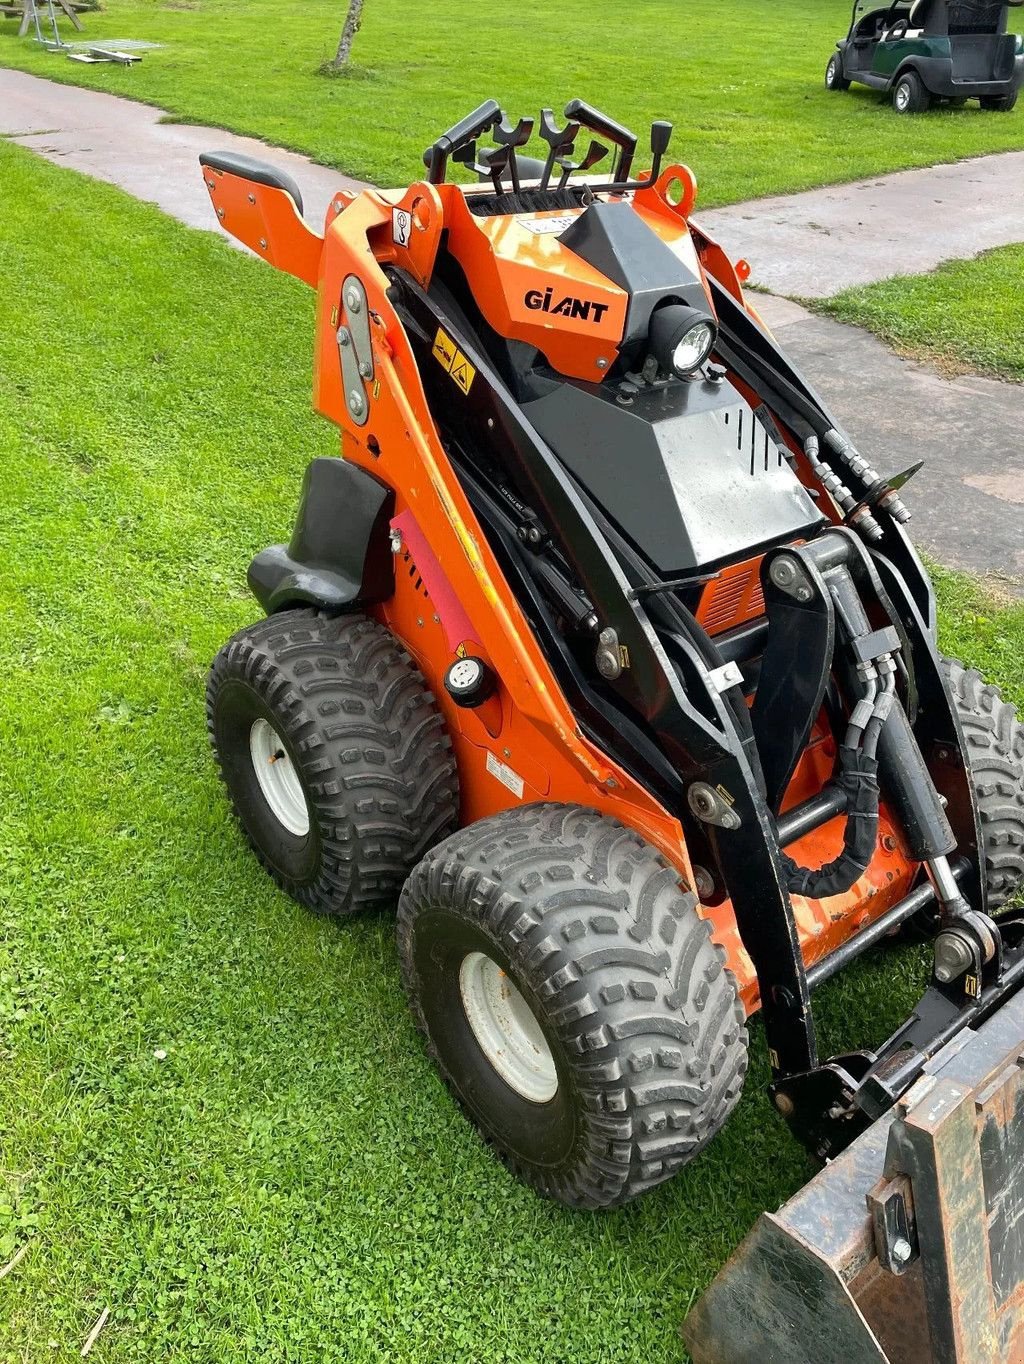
(686, 471)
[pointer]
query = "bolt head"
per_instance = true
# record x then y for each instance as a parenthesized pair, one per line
(353, 301)
(704, 882)
(357, 403)
(785, 1105)
(783, 572)
(952, 957)
(365, 369)
(602, 363)
(901, 1250)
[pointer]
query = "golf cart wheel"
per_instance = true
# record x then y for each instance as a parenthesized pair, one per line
(995, 751)
(999, 104)
(334, 754)
(834, 78)
(573, 1000)
(909, 95)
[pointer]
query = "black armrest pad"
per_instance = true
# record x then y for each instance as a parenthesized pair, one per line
(248, 168)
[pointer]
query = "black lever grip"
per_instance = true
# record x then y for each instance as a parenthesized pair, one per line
(507, 136)
(435, 158)
(660, 134)
(597, 122)
(562, 137)
(560, 141)
(510, 137)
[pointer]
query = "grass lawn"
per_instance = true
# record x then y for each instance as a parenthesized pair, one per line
(742, 82)
(215, 1116)
(966, 315)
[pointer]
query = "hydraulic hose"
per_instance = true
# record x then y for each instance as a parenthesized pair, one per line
(858, 778)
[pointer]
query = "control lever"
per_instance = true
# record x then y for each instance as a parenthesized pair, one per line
(595, 153)
(493, 160)
(511, 137)
(597, 122)
(560, 140)
(459, 135)
(661, 132)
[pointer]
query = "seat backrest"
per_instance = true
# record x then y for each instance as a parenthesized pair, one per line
(975, 16)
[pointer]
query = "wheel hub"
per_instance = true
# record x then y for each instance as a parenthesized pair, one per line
(504, 1026)
(278, 779)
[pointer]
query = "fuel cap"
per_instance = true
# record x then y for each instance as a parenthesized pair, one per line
(469, 681)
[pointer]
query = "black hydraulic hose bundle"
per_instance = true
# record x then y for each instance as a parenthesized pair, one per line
(858, 778)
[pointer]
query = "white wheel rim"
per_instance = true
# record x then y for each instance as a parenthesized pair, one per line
(506, 1029)
(902, 97)
(830, 74)
(278, 779)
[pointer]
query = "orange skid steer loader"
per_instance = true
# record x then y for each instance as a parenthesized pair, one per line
(606, 655)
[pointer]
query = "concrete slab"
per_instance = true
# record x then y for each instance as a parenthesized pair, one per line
(125, 143)
(777, 313)
(815, 244)
(968, 500)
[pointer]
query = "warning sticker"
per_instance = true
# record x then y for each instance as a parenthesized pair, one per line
(401, 226)
(462, 372)
(505, 775)
(448, 355)
(444, 349)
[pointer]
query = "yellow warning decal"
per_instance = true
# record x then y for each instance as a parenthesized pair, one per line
(462, 372)
(448, 355)
(444, 349)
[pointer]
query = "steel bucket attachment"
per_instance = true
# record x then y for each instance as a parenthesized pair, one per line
(909, 1247)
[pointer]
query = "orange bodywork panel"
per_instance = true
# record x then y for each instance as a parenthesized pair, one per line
(265, 219)
(450, 596)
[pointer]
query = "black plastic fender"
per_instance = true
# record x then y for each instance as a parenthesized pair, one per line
(339, 556)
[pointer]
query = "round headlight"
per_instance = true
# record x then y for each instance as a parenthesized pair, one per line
(694, 348)
(681, 338)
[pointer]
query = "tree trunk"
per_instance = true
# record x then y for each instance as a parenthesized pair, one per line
(348, 33)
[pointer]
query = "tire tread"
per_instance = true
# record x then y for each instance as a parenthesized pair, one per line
(373, 749)
(624, 973)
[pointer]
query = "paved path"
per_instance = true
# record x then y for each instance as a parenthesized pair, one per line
(814, 244)
(969, 500)
(126, 143)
